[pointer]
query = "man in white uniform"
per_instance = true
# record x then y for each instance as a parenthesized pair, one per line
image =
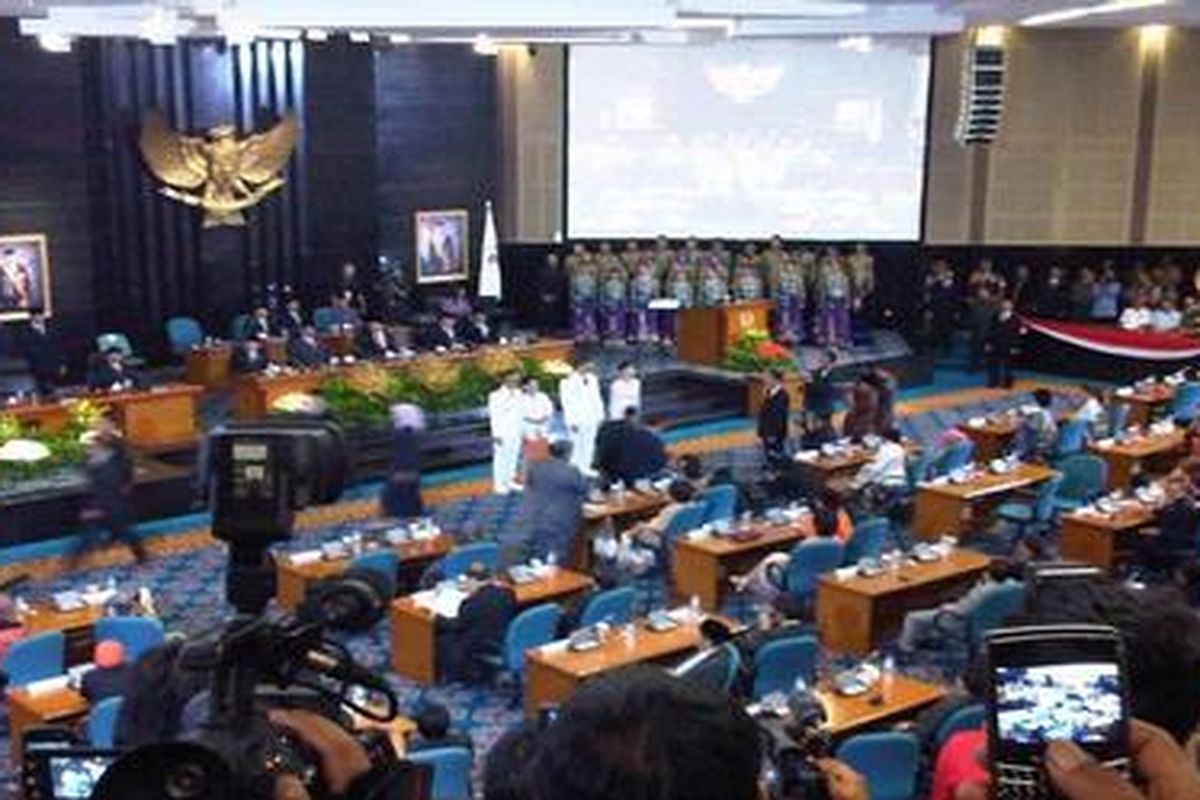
(624, 392)
(537, 409)
(583, 411)
(506, 417)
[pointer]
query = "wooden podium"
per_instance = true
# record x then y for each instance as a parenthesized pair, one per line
(704, 334)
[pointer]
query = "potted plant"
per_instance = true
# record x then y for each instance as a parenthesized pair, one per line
(756, 354)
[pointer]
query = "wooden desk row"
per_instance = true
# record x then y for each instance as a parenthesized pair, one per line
(950, 509)
(701, 567)
(1152, 453)
(254, 395)
(163, 417)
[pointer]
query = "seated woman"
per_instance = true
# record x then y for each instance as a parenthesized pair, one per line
(829, 519)
(921, 626)
(638, 548)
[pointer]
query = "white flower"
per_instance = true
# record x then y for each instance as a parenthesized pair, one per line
(25, 450)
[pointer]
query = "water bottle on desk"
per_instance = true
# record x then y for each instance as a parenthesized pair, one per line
(887, 675)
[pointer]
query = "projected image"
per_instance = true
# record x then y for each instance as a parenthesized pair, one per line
(805, 138)
(1080, 702)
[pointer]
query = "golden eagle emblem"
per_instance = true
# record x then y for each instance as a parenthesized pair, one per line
(220, 172)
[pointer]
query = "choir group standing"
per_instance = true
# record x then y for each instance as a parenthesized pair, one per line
(631, 296)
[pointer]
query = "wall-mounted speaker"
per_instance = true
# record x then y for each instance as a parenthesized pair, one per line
(982, 103)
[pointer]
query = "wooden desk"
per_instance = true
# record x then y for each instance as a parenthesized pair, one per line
(210, 365)
(701, 567)
(635, 505)
(292, 580)
(847, 716)
(949, 508)
(856, 614)
(162, 417)
(993, 438)
(705, 334)
(1154, 452)
(26, 710)
(1095, 538)
(553, 673)
(412, 626)
(1145, 401)
(75, 625)
(43, 416)
(254, 395)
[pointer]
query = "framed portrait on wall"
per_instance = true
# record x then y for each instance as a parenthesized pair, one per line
(24, 276)
(441, 238)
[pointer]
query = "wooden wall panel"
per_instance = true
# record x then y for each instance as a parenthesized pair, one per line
(532, 96)
(948, 179)
(1174, 202)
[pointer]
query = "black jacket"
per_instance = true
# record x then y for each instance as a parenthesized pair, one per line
(477, 631)
(773, 416)
(472, 334)
(44, 355)
(437, 337)
(304, 354)
(629, 453)
(102, 375)
(1004, 337)
(102, 683)
(245, 364)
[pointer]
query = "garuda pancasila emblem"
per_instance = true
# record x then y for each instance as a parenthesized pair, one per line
(219, 172)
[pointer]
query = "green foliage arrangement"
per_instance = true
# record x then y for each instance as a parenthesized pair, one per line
(755, 351)
(66, 450)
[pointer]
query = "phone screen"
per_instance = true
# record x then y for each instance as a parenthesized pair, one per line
(1081, 702)
(73, 777)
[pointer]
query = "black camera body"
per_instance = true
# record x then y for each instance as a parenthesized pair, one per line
(793, 745)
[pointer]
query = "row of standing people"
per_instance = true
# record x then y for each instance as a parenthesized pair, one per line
(613, 293)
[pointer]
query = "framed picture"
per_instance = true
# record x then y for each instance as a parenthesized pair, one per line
(24, 276)
(442, 254)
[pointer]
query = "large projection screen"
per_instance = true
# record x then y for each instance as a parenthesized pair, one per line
(820, 139)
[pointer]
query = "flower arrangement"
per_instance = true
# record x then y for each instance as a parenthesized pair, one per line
(756, 351)
(27, 453)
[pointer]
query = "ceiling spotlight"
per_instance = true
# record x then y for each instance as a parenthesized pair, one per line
(360, 37)
(316, 35)
(400, 38)
(54, 42)
(485, 46)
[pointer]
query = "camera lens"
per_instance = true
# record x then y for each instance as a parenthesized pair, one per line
(185, 781)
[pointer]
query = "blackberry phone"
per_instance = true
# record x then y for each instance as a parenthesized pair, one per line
(1051, 683)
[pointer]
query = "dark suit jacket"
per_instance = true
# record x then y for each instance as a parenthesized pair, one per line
(552, 508)
(256, 328)
(290, 325)
(102, 683)
(244, 364)
(821, 393)
(477, 631)
(436, 337)
(472, 334)
(44, 355)
(101, 375)
(369, 348)
(303, 354)
(1004, 337)
(629, 453)
(773, 416)
(109, 483)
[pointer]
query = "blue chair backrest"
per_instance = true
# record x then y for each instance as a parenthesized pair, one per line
(1118, 418)
(614, 606)
(533, 627)
(716, 671)
(384, 563)
(102, 722)
(688, 518)
(888, 761)
(451, 771)
(998, 603)
(1043, 505)
(34, 658)
(1084, 477)
(238, 326)
(720, 502)
(867, 540)
(1186, 402)
(183, 333)
(323, 318)
(956, 456)
(966, 718)
(107, 341)
(136, 634)
(1071, 438)
(459, 560)
(809, 560)
(778, 664)
(920, 467)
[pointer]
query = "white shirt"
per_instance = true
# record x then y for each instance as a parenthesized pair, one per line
(506, 412)
(536, 410)
(887, 468)
(1135, 318)
(582, 404)
(1165, 319)
(624, 393)
(1091, 411)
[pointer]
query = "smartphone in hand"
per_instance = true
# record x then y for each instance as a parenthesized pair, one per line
(1048, 683)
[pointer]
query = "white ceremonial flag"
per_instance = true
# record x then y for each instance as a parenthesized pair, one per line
(489, 258)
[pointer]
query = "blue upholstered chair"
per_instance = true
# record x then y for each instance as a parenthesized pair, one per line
(183, 333)
(999, 601)
(1037, 514)
(382, 562)
(779, 663)
(867, 540)
(239, 326)
(102, 722)
(451, 771)
(809, 560)
(459, 560)
(323, 318)
(888, 761)
(35, 658)
(1186, 402)
(1072, 438)
(966, 718)
(1085, 477)
(118, 341)
(956, 456)
(533, 627)
(136, 634)
(614, 606)
(686, 519)
(1118, 418)
(720, 502)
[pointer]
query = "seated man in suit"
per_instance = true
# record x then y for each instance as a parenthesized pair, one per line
(111, 676)
(291, 321)
(444, 335)
(376, 342)
(434, 731)
(476, 330)
(630, 451)
(343, 318)
(109, 373)
(477, 631)
(259, 325)
(306, 350)
(250, 357)
(44, 355)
